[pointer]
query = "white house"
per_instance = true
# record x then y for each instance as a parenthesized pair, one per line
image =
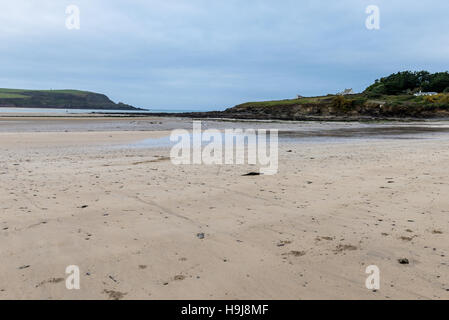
(420, 93)
(346, 92)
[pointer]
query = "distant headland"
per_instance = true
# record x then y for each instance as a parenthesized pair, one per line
(59, 99)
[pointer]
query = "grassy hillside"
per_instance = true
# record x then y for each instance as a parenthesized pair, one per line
(389, 97)
(58, 99)
(350, 106)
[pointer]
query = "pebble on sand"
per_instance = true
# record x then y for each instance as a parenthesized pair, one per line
(200, 235)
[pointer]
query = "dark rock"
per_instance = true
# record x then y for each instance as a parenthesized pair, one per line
(251, 174)
(200, 235)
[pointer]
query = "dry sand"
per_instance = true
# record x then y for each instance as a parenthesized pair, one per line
(130, 220)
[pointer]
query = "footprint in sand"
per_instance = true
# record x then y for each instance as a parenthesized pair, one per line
(114, 295)
(344, 247)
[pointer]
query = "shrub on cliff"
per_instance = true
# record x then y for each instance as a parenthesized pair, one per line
(441, 98)
(342, 104)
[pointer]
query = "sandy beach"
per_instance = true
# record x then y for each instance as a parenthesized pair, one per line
(81, 194)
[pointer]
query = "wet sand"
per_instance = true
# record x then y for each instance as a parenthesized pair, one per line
(134, 223)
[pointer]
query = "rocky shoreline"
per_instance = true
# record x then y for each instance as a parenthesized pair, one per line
(226, 115)
(355, 107)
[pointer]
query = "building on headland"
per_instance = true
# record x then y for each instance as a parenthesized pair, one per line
(420, 94)
(345, 92)
(298, 96)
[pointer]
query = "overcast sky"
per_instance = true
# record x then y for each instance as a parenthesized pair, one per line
(210, 54)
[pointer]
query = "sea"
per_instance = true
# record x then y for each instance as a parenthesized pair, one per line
(79, 111)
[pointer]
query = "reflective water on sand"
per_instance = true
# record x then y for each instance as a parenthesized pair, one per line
(334, 135)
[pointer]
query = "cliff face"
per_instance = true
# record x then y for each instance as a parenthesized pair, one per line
(356, 107)
(58, 99)
(350, 107)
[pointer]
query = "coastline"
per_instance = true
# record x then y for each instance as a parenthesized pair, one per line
(222, 115)
(232, 114)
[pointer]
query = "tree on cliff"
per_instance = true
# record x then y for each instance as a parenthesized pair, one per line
(409, 81)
